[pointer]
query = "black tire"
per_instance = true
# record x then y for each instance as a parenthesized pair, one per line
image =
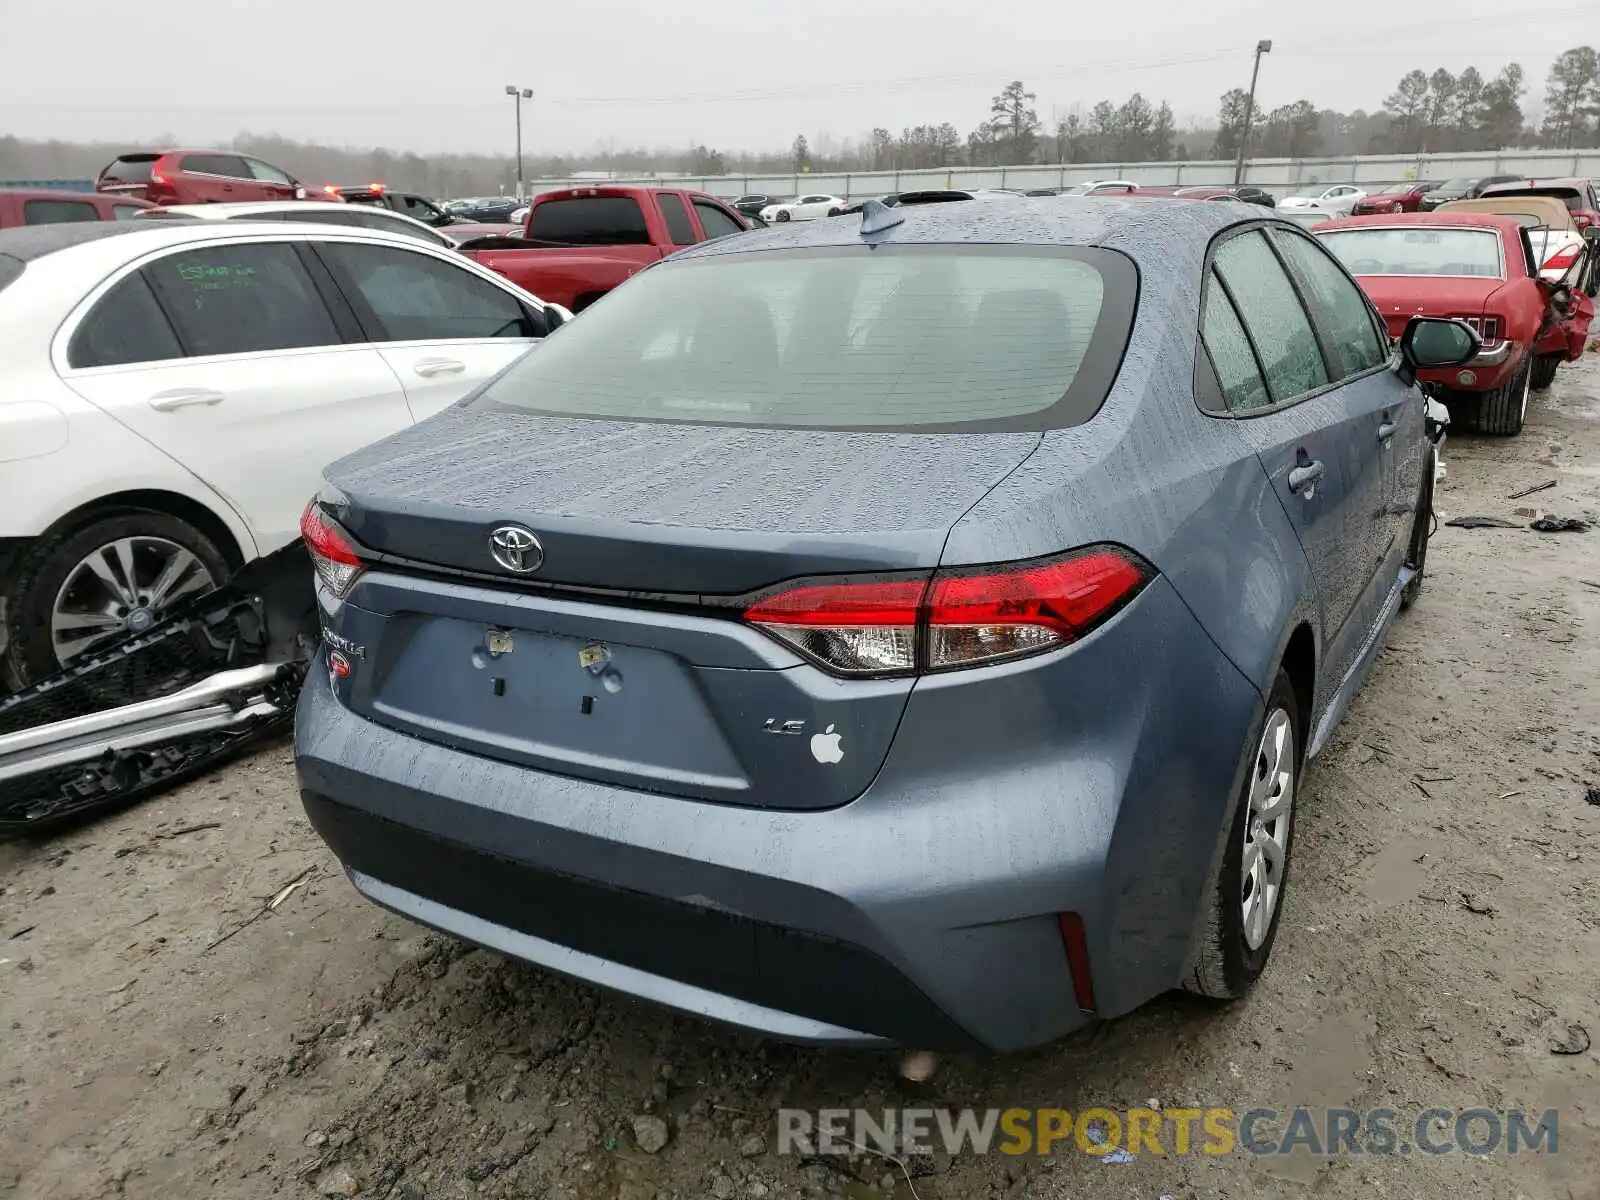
(1421, 534)
(1544, 371)
(1224, 965)
(30, 654)
(783, 216)
(1499, 412)
(835, 212)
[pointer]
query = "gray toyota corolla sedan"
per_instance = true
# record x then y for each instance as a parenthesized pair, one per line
(904, 628)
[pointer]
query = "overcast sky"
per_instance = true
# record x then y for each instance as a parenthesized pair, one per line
(429, 75)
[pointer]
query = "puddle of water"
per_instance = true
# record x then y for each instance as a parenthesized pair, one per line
(1394, 876)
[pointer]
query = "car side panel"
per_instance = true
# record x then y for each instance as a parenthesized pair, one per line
(1185, 489)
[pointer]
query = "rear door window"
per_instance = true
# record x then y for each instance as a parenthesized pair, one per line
(1346, 316)
(229, 165)
(242, 299)
(125, 326)
(677, 218)
(416, 297)
(1272, 314)
(56, 212)
(591, 221)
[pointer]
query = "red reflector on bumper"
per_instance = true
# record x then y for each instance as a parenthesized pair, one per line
(1077, 945)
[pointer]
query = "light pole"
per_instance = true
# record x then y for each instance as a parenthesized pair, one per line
(1262, 47)
(518, 95)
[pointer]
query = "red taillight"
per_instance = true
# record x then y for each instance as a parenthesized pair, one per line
(1076, 941)
(962, 617)
(851, 626)
(1563, 259)
(334, 558)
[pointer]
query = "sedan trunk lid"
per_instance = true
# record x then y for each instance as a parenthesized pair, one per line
(621, 658)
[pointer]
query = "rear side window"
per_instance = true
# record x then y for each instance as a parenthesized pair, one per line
(844, 337)
(1277, 324)
(126, 326)
(714, 221)
(591, 221)
(135, 169)
(415, 297)
(242, 300)
(677, 218)
(1231, 356)
(55, 212)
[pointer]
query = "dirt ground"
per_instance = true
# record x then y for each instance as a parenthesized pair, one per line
(168, 1034)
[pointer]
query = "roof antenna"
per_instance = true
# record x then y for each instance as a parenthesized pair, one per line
(876, 216)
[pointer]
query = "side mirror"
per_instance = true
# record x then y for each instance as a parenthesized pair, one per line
(1430, 342)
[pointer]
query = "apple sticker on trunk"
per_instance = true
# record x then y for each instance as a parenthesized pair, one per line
(825, 747)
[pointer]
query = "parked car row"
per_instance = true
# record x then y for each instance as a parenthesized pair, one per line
(1515, 263)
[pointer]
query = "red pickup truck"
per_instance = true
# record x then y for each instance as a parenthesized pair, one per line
(580, 243)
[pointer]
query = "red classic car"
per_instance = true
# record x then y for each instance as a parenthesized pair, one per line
(1478, 267)
(1398, 197)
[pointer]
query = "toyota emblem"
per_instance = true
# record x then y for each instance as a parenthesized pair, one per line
(516, 549)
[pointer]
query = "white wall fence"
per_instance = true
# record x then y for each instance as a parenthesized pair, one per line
(1281, 176)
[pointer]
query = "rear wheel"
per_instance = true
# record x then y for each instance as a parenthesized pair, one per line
(783, 215)
(1245, 900)
(81, 590)
(1544, 371)
(1501, 411)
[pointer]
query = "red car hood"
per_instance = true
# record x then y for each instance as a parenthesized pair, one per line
(1401, 297)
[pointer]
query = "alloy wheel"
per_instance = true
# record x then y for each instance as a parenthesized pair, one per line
(124, 587)
(1266, 832)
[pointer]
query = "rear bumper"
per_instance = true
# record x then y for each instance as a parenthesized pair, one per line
(1490, 369)
(925, 913)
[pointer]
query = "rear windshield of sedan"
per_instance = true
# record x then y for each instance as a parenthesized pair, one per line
(1569, 196)
(897, 337)
(1417, 250)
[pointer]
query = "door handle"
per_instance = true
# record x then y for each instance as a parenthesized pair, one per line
(1386, 431)
(1301, 477)
(429, 367)
(184, 398)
